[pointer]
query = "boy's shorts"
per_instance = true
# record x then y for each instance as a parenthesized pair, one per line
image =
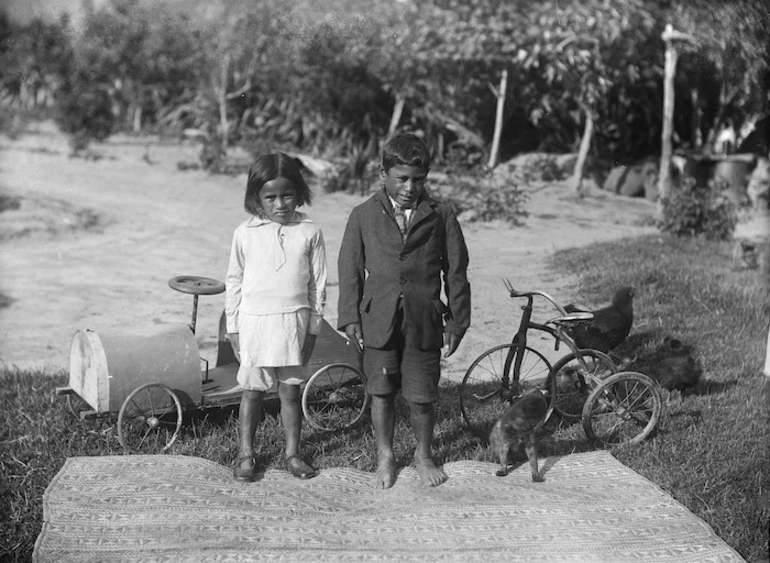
(257, 378)
(402, 366)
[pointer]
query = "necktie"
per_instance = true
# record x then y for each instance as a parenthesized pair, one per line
(400, 215)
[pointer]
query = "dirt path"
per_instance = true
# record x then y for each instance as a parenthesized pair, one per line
(105, 237)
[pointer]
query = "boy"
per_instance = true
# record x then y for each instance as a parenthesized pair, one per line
(397, 247)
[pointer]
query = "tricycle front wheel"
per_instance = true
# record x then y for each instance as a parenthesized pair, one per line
(623, 409)
(150, 419)
(335, 397)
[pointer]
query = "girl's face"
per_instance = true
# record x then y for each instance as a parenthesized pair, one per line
(278, 199)
(404, 184)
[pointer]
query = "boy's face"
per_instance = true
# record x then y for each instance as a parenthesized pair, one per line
(404, 184)
(278, 199)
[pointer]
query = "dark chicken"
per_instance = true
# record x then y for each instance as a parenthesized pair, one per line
(610, 325)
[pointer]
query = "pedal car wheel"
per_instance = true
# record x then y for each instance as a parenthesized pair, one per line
(150, 419)
(335, 397)
(575, 378)
(486, 387)
(623, 409)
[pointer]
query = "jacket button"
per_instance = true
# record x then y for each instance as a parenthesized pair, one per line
(402, 257)
(402, 281)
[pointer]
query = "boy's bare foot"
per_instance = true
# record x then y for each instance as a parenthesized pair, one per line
(385, 476)
(431, 475)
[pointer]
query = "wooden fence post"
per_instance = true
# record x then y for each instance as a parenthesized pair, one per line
(767, 355)
(664, 176)
(498, 119)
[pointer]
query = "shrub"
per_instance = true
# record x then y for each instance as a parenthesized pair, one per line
(693, 210)
(84, 112)
(487, 198)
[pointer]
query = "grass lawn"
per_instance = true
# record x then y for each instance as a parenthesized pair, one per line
(711, 450)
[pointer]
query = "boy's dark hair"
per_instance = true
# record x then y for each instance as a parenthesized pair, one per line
(405, 149)
(269, 167)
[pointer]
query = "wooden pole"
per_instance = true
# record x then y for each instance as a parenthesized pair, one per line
(767, 356)
(395, 117)
(585, 144)
(666, 150)
(222, 98)
(498, 120)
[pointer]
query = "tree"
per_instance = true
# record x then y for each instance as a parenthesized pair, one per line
(726, 67)
(33, 59)
(146, 54)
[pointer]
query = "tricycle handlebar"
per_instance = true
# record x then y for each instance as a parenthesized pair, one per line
(513, 293)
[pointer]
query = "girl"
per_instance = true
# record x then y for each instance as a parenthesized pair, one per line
(276, 292)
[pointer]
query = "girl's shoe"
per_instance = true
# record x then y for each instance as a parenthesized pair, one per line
(297, 467)
(245, 474)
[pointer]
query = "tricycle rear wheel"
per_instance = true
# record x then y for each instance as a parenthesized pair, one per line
(575, 378)
(623, 409)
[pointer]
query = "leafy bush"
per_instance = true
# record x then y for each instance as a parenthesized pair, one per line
(84, 112)
(693, 210)
(488, 198)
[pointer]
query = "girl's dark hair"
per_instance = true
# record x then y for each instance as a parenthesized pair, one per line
(269, 167)
(405, 149)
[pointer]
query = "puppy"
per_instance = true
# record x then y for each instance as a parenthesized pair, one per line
(516, 427)
(678, 370)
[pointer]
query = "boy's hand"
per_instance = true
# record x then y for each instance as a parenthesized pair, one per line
(307, 348)
(355, 336)
(235, 342)
(451, 341)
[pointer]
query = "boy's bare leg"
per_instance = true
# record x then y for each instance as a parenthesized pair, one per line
(384, 421)
(291, 416)
(422, 417)
(249, 415)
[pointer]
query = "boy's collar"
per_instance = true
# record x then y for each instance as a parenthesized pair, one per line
(385, 198)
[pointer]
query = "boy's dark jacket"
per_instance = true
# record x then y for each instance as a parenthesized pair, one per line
(434, 244)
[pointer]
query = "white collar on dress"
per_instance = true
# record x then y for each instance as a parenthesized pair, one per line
(298, 217)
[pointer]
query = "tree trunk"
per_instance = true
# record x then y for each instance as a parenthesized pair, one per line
(666, 150)
(398, 109)
(137, 127)
(498, 120)
(223, 125)
(585, 144)
(666, 146)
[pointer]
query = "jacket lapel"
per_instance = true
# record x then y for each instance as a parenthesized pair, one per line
(424, 209)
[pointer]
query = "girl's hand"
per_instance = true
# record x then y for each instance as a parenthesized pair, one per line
(307, 348)
(236, 344)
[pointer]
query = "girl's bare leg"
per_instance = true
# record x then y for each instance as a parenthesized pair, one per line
(249, 416)
(383, 421)
(422, 418)
(291, 416)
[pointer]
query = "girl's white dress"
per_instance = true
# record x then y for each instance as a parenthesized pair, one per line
(276, 293)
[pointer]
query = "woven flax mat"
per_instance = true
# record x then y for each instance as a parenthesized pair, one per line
(177, 508)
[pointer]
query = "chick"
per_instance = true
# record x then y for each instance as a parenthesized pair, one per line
(516, 427)
(610, 325)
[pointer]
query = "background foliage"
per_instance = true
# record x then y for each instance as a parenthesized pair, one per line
(325, 76)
